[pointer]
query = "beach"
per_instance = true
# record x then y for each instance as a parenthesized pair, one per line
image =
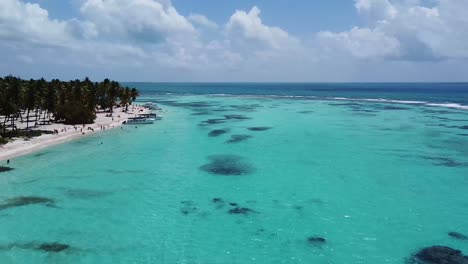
(20, 146)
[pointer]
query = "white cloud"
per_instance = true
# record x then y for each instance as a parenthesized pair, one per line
(407, 29)
(151, 40)
(362, 43)
(150, 21)
(245, 27)
(26, 22)
(202, 20)
(380, 9)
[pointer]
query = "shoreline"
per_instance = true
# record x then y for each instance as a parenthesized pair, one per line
(20, 147)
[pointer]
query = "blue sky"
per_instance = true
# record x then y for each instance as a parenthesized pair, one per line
(241, 40)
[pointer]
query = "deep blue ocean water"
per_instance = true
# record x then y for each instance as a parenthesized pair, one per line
(426, 92)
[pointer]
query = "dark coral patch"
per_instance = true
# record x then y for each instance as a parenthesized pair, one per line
(363, 110)
(392, 107)
(188, 203)
(217, 200)
(237, 117)
(53, 247)
(221, 109)
(238, 138)
(246, 108)
(346, 104)
(26, 200)
(444, 161)
(188, 207)
(4, 169)
(439, 255)
(188, 210)
(214, 121)
(219, 203)
(196, 104)
(457, 235)
(227, 165)
(226, 118)
(305, 112)
(316, 240)
(218, 132)
(199, 104)
(242, 211)
(40, 154)
(259, 128)
(201, 113)
(434, 111)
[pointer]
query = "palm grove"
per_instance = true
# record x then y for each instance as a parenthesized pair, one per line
(74, 102)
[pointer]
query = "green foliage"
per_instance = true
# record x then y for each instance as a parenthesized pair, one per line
(74, 113)
(24, 134)
(72, 102)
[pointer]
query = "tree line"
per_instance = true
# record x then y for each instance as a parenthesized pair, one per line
(37, 102)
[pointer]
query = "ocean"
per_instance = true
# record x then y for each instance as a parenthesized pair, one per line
(251, 173)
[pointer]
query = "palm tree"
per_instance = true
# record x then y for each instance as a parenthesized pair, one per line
(13, 103)
(29, 98)
(73, 102)
(112, 93)
(125, 98)
(134, 94)
(50, 98)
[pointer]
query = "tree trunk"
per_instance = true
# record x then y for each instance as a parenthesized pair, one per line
(12, 122)
(27, 120)
(35, 122)
(4, 124)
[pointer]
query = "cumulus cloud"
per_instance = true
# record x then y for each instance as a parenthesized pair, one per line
(361, 43)
(142, 37)
(245, 27)
(26, 22)
(145, 20)
(377, 9)
(202, 21)
(406, 31)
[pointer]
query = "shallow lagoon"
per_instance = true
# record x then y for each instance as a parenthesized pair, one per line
(377, 181)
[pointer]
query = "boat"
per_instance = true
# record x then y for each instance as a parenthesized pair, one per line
(138, 121)
(152, 106)
(151, 116)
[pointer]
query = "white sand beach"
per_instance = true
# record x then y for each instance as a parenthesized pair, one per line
(21, 146)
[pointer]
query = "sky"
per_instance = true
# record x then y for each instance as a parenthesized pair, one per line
(236, 40)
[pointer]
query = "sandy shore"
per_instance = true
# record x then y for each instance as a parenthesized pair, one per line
(19, 146)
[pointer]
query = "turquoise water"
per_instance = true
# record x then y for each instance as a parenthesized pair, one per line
(378, 181)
